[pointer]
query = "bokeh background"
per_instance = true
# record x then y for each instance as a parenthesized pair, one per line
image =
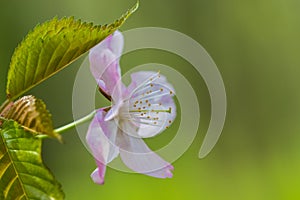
(255, 45)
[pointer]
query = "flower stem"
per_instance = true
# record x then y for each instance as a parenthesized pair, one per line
(72, 124)
(75, 123)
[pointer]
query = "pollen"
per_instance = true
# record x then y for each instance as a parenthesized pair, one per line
(147, 103)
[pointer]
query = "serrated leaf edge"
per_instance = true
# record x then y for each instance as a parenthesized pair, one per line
(113, 26)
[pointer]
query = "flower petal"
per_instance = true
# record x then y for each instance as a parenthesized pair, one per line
(138, 157)
(141, 77)
(114, 111)
(101, 139)
(151, 96)
(99, 173)
(104, 62)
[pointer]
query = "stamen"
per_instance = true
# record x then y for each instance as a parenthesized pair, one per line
(156, 111)
(148, 118)
(146, 104)
(146, 123)
(150, 94)
(153, 95)
(147, 81)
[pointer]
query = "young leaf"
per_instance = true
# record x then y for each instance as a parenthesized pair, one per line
(33, 115)
(52, 46)
(22, 172)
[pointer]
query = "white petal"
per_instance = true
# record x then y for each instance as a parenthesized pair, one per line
(140, 77)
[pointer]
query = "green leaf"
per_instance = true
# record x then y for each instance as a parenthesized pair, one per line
(52, 46)
(33, 115)
(22, 172)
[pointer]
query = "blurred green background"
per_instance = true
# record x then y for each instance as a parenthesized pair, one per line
(255, 45)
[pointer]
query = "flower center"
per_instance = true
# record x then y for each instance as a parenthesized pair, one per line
(149, 103)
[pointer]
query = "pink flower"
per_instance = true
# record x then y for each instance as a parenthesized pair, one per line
(143, 109)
